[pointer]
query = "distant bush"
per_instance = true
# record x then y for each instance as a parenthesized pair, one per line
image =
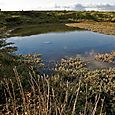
(13, 20)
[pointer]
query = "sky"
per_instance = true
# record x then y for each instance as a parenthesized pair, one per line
(57, 5)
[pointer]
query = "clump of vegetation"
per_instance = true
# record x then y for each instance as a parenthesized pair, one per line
(107, 57)
(71, 68)
(5, 51)
(30, 60)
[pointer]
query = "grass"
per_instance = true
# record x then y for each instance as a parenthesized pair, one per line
(71, 89)
(25, 20)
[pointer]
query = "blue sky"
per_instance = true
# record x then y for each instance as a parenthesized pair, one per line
(51, 4)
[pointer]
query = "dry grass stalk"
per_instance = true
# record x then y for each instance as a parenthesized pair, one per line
(48, 94)
(7, 104)
(102, 105)
(75, 102)
(97, 100)
(14, 98)
(34, 92)
(21, 89)
(86, 102)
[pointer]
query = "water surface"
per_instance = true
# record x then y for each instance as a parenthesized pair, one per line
(56, 45)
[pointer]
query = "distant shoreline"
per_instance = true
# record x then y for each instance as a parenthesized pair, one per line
(16, 23)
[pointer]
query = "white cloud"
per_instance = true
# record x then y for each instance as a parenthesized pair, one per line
(80, 7)
(25, 4)
(57, 4)
(106, 7)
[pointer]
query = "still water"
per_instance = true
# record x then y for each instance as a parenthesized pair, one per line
(56, 45)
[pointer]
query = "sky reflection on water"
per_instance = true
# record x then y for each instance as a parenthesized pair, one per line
(54, 46)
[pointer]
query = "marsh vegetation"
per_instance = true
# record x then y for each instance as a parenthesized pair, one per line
(68, 87)
(71, 89)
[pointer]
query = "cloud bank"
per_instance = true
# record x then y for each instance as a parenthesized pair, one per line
(106, 7)
(80, 7)
(11, 5)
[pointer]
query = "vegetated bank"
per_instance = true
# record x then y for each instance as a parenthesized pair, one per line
(14, 22)
(101, 27)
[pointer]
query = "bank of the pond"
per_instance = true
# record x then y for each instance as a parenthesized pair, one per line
(101, 27)
(33, 29)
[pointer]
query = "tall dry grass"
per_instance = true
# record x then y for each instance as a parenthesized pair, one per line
(47, 97)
